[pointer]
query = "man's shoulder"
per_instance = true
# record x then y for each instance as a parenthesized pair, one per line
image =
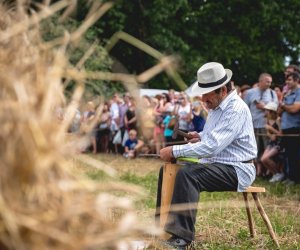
(236, 105)
(251, 94)
(292, 94)
(252, 91)
(297, 95)
(297, 91)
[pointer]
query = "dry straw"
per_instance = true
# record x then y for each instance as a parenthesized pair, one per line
(42, 205)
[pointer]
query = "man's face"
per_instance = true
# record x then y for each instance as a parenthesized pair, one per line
(126, 98)
(292, 84)
(212, 100)
(265, 82)
(183, 101)
(115, 98)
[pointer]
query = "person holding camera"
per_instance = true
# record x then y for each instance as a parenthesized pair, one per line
(256, 99)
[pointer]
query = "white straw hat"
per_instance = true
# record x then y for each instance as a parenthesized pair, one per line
(271, 106)
(210, 76)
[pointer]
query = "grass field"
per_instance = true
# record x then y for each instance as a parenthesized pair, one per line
(222, 219)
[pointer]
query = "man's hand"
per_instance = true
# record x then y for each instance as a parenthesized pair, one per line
(195, 137)
(166, 154)
(260, 105)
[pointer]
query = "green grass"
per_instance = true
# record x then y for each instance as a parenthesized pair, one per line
(148, 182)
(222, 219)
(278, 189)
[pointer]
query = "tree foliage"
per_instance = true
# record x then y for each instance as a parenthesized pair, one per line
(250, 37)
(99, 60)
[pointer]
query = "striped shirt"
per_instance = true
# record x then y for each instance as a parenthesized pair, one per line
(227, 138)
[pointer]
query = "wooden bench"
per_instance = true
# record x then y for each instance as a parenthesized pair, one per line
(169, 174)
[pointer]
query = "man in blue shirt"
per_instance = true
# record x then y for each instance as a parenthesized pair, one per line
(256, 99)
(290, 125)
(225, 148)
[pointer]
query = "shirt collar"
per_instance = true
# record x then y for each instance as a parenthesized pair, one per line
(293, 90)
(227, 99)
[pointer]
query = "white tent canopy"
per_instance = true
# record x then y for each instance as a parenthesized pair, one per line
(152, 92)
(189, 92)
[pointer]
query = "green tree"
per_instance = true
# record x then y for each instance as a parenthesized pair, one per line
(250, 37)
(99, 60)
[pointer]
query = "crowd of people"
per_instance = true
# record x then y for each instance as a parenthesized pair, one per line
(275, 110)
(117, 129)
(276, 119)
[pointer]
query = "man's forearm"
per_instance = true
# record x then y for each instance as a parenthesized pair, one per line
(293, 108)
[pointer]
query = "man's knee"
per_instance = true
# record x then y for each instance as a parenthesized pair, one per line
(184, 173)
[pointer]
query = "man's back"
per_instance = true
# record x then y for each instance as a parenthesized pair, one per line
(229, 132)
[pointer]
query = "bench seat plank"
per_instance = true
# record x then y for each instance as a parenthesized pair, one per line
(255, 190)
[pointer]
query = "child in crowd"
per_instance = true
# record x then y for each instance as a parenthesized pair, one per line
(199, 115)
(132, 145)
(168, 127)
(270, 158)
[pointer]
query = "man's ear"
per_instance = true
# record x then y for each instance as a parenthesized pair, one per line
(224, 90)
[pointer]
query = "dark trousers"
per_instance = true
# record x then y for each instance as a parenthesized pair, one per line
(192, 179)
(261, 141)
(291, 144)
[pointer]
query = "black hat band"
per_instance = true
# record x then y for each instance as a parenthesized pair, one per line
(212, 84)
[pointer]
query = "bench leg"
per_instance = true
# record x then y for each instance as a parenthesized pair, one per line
(265, 218)
(249, 215)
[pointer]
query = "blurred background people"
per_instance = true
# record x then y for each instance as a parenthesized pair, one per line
(104, 129)
(279, 93)
(288, 70)
(158, 131)
(183, 111)
(290, 125)
(130, 118)
(256, 98)
(90, 116)
(132, 145)
(115, 121)
(271, 156)
(199, 115)
(243, 90)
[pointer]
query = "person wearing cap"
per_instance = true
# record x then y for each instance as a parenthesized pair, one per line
(271, 157)
(225, 150)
